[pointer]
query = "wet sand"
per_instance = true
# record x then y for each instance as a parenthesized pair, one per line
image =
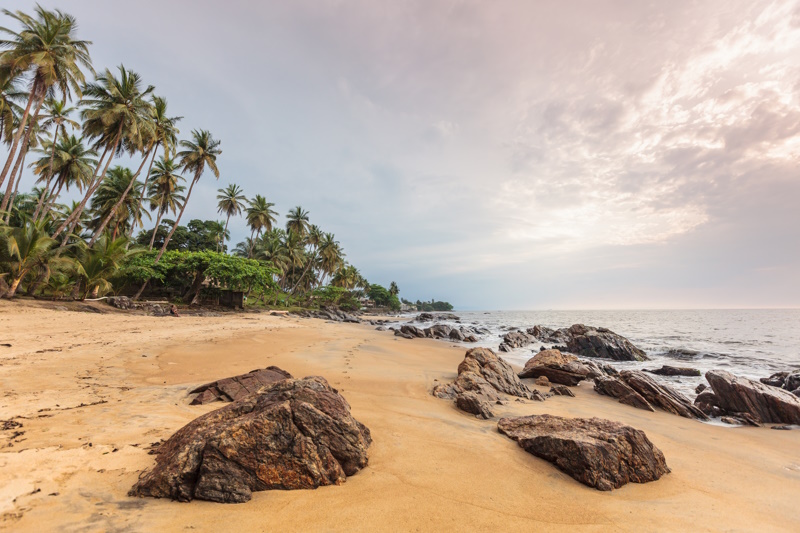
(94, 391)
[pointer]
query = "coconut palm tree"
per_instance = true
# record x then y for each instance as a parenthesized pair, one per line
(165, 134)
(313, 239)
(98, 264)
(393, 290)
(297, 221)
(331, 254)
(164, 192)
(260, 217)
(32, 141)
(115, 108)
(72, 166)
(10, 96)
(46, 47)
(23, 248)
(57, 118)
(198, 153)
(117, 199)
(230, 202)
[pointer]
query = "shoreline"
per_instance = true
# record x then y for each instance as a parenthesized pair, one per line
(431, 466)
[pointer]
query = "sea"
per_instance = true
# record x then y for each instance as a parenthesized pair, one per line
(753, 343)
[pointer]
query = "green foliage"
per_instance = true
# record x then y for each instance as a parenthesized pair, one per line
(433, 306)
(336, 296)
(383, 297)
(197, 236)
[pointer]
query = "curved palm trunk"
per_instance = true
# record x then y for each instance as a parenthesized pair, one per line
(178, 220)
(16, 188)
(94, 185)
(252, 243)
(224, 232)
(40, 204)
(51, 201)
(155, 229)
(144, 187)
(113, 211)
(22, 153)
(37, 87)
(305, 271)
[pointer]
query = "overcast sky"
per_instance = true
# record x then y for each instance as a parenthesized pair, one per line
(496, 154)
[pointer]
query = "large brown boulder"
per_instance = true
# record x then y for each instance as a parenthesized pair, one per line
(598, 453)
(588, 341)
(293, 434)
(562, 368)
(487, 376)
(763, 403)
(616, 388)
(660, 395)
(231, 389)
(516, 339)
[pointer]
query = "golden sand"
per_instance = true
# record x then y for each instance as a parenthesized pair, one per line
(93, 391)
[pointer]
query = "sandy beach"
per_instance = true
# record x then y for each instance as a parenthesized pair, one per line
(93, 391)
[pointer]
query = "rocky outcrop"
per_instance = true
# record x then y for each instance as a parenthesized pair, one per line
(616, 388)
(414, 331)
(237, 387)
(763, 403)
(515, 339)
(667, 370)
(470, 402)
(598, 453)
(708, 402)
(588, 341)
(561, 390)
(127, 304)
(330, 313)
(438, 331)
(785, 380)
(294, 434)
(487, 376)
(561, 368)
(430, 317)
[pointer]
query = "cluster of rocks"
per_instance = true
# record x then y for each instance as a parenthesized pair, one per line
(482, 378)
(637, 389)
(742, 400)
(434, 317)
(125, 303)
(561, 368)
(437, 331)
(292, 434)
(586, 341)
(330, 313)
(599, 453)
(785, 380)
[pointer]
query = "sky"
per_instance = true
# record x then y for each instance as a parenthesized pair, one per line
(499, 155)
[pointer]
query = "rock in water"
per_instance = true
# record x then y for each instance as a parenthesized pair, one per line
(231, 389)
(667, 370)
(763, 402)
(293, 434)
(557, 367)
(598, 453)
(601, 342)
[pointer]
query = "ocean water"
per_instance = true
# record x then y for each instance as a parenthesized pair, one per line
(753, 343)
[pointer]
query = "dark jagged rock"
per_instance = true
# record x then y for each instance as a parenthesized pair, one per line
(667, 370)
(470, 338)
(236, 387)
(659, 395)
(700, 388)
(598, 453)
(413, 331)
(763, 402)
(469, 402)
(438, 331)
(708, 402)
(561, 390)
(517, 339)
(601, 342)
(483, 373)
(558, 367)
(294, 434)
(456, 335)
(430, 317)
(785, 380)
(398, 333)
(616, 388)
(546, 334)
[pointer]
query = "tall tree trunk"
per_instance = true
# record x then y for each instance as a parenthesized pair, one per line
(23, 151)
(12, 290)
(49, 175)
(51, 200)
(16, 187)
(155, 229)
(113, 211)
(144, 187)
(37, 87)
(252, 243)
(178, 221)
(305, 271)
(95, 184)
(224, 232)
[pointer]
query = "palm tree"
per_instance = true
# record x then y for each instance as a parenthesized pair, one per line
(71, 167)
(230, 202)
(260, 217)
(331, 254)
(10, 94)
(46, 45)
(117, 200)
(57, 117)
(313, 239)
(32, 141)
(202, 150)
(298, 221)
(393, 290)
(164, 134)
(98, 264)
(114, 108)
(164, 192)
(24, 248)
